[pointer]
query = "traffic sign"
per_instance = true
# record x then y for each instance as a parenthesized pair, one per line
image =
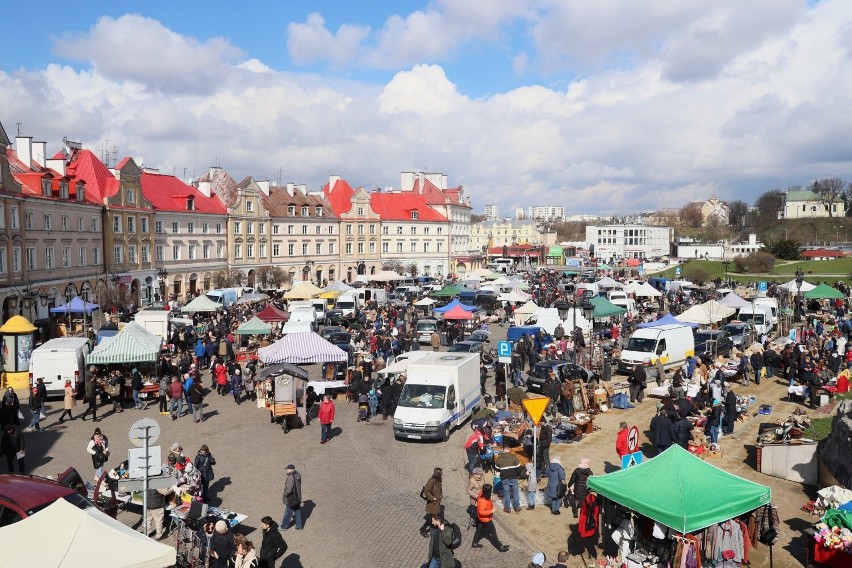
(633, 439)
(144, 428)
(535, 407)
(677, 270)
(504, 351)
(138, 460)
(762, 286)
(629, 460)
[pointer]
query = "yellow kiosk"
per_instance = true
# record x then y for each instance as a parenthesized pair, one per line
(16, 336)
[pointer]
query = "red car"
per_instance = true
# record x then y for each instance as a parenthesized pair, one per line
(25, 495)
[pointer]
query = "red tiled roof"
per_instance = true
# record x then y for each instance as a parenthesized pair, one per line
(31, 177)
(340, 196)
(436, 196)
(822, 253)
(278, 202)
(169, 193)
(398, 207)
(100, 183)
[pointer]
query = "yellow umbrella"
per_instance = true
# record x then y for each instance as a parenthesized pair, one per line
(331, 295)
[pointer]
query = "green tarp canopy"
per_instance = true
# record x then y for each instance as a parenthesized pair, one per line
(200, 304)
(681, 491)
(254, 326)
(133, 344)
(823, 292)
(448, 292)
(604, 308)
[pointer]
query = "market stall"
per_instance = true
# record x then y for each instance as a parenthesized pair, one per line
(830, 540)
(271, 314)
(282, 387)
(200, 304)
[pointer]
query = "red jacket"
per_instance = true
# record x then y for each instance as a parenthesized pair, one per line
(176, 389)
(621, 442)
(326, 412)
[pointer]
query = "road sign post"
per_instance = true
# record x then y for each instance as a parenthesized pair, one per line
(504, 351)
(633, 439)
(629, 460)
(144, 432)
(535, 407)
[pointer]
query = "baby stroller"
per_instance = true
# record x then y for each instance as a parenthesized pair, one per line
(363, 408)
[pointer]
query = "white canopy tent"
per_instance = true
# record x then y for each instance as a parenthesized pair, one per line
(606, 283)
(645, 290)
(301, 348)
(791, 286)
(515, 295)
(732, 300)
(502, 281)
(481, 272)
(524, 312)
(386, 276)
(63, 536)
(707, 313)
(427, 301)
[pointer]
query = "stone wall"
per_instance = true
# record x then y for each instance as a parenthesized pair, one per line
(834, 451)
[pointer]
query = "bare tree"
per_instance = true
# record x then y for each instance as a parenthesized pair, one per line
(830, 191)
(737, 212)
(261, 276)
(690, 215)
(767, 206)
(393, 266)
(412, 269)
(277, 277)
(228, 277)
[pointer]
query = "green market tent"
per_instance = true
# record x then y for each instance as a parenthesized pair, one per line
(255, 326)
(448, 292)
(133, 344)
(604, 308)
(200, 304)
(672, 489)
(822, 292)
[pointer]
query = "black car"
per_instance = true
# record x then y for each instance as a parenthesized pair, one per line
(714, 342)
(328, 330)
(466, 347)
(480, 336)
(564, 370)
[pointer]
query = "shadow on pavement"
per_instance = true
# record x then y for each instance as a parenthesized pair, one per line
(292, 561)
(215, 488)
(610, 467)
(307, 509)
(795, 546)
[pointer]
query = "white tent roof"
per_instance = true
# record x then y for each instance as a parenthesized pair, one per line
(427, 301)
(386, 276)
(528, 308)
(791, 286)
(646, 290)
(63, 536)
(706, 313)
(481, 272)
(516, 295)
(607, 282)
(732, 300)
(200, 304)
(502, 281)
(299, 348)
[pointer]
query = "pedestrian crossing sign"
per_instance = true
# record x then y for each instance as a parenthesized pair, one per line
(535, 407)
(629, 460)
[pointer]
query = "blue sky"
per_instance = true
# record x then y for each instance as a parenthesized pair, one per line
(610, 106)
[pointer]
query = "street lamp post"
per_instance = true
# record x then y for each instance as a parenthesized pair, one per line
(800, 277)
(161, 278)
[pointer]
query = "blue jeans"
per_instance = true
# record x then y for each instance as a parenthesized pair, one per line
(177, 406)
(510, 494)
(555, 504)
(288, 512)
(714, 433)
(325, 432)
(36, 418)
(531, 498)
(137, 402)
(517, 378)
(434, 562)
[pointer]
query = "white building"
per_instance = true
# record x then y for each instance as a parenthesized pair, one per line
(743, 249)
(804, 203)
(629, 241)
(504, 232)
(545, 212)
(491, 211)
(688, 248)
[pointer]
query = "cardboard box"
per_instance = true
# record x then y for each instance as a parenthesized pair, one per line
(714, 454)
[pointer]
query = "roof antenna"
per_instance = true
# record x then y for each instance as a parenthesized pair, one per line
(20, 130)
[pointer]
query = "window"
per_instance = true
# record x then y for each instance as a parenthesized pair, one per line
(426, 247)
(205, 228)
(238, 227)
(372, 248)
(64, 223)
(291, 210)
(218, 228)
(348, 248)
(131, 224)
(13, 218)
(360, 211)
(249, 205)
(425, 230)
(415, 214)
(250, 227)
(318, 211)
(413, 230)
(190, 228)
(319, 229)
(130, 196)
(16, 259)
(304, 229)
(47, 222)
(2, 259)
(372, 229)
(360, 248)
(28, 220)
(117, 254)
(261, 228)
(158, 227)
(290, 229)
(2, 216)
(398, 247)
(80, 224)
(205, 251)
(63, 190)
(159, 253)
(31, 258)
(319, 248)
(414, 247)
(45, 188)
(440, 230)
(399, 230)
(250, 250)
(440, 246)
(348, 228)
(220, 251)
(116, 224)
(82, 256)
(81, 191)
(143, 224)
(238, 250)
(276, 250)
(145, 253)
(385, 230)
(275, 229)
(290, 250)
(66, 254)
(175, 227)
(96, 256)
(385, 247)
(175, 252)
(360, 229)
(331, 229)
(192, 252)
(304, 210)
(330, 248)
(261, 250)
(304, 249)
(131, 254)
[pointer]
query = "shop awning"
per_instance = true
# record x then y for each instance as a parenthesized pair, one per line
(672, 489)
(133, 344)
(458, 313)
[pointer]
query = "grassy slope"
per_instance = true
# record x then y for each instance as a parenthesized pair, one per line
(784, 270)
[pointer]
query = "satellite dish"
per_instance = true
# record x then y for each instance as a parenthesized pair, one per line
(140, 161)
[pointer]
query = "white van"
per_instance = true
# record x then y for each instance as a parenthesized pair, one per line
(614, 295)
(296, 327)
(305, 314)
(155, 321)
(320, 306)
(441, 392)
(59, 360)
(672, 344)
(548, 319)
(759, 316)
(772, 303)
(347, 303)
(425, 328)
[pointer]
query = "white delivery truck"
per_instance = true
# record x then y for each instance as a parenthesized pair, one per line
(759, 316)
(772, 304)
(628, 304)
(347, 303)
(304, 314)
(441, 392)
(59, 360)
(320, 306)
(155, 321)
(225, 297)
(672, 344)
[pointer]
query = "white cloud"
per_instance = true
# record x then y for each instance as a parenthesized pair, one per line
(311, 42)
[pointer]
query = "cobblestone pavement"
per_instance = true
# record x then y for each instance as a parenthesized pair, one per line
(361, 489)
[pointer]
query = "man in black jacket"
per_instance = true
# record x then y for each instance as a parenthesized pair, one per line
(757, 364)
(552, 389)
(273, 546)
(545, 437)
(156, 503)
(730, 403)
(222, 545)
(662, 431)
(638, 381)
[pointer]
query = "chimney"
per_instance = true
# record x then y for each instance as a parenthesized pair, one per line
(406, 181)
(752, 239)
(303, 189)
(23, 144)
(57, 165)
(291, 188)
(40, 152)
(420, 182)
(203, 187)
(264, 186)
(331, 181)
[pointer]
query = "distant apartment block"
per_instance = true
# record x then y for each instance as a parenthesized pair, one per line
(545, 213)
(491, 211)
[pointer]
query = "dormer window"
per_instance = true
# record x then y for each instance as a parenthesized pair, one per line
(318, 211)
(81, 191)
(304, 210)
(130, 196)
(190, 204)
(45, 188)
(291, 210)
(63, 190)
(415, 214)
(249, 205)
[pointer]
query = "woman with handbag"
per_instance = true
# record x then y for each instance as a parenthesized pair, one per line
(99, 448)
(556, 487)
(432, 492)
(69, 403)
(577, 484)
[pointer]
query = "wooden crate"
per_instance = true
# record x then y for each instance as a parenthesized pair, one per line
(714, 454)
(284, 409)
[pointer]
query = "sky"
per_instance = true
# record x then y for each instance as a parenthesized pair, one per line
(604, 107)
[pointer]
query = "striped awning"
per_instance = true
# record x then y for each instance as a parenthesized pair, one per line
(299, 348)
(133, 344)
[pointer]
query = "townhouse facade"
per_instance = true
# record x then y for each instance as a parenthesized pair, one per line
(503, 232)
(360, 228)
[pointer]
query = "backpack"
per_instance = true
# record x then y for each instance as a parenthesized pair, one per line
(457, 536)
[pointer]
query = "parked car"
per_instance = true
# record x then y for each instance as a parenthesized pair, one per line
(466, 346)
(25, 495)
(564, 370)
(328, 330)
(741, 333)
(714, 342)
(480, 335)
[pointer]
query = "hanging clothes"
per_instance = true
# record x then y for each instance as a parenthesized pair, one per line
(589, 511)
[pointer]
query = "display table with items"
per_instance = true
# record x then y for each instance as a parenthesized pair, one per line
(830, 540)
